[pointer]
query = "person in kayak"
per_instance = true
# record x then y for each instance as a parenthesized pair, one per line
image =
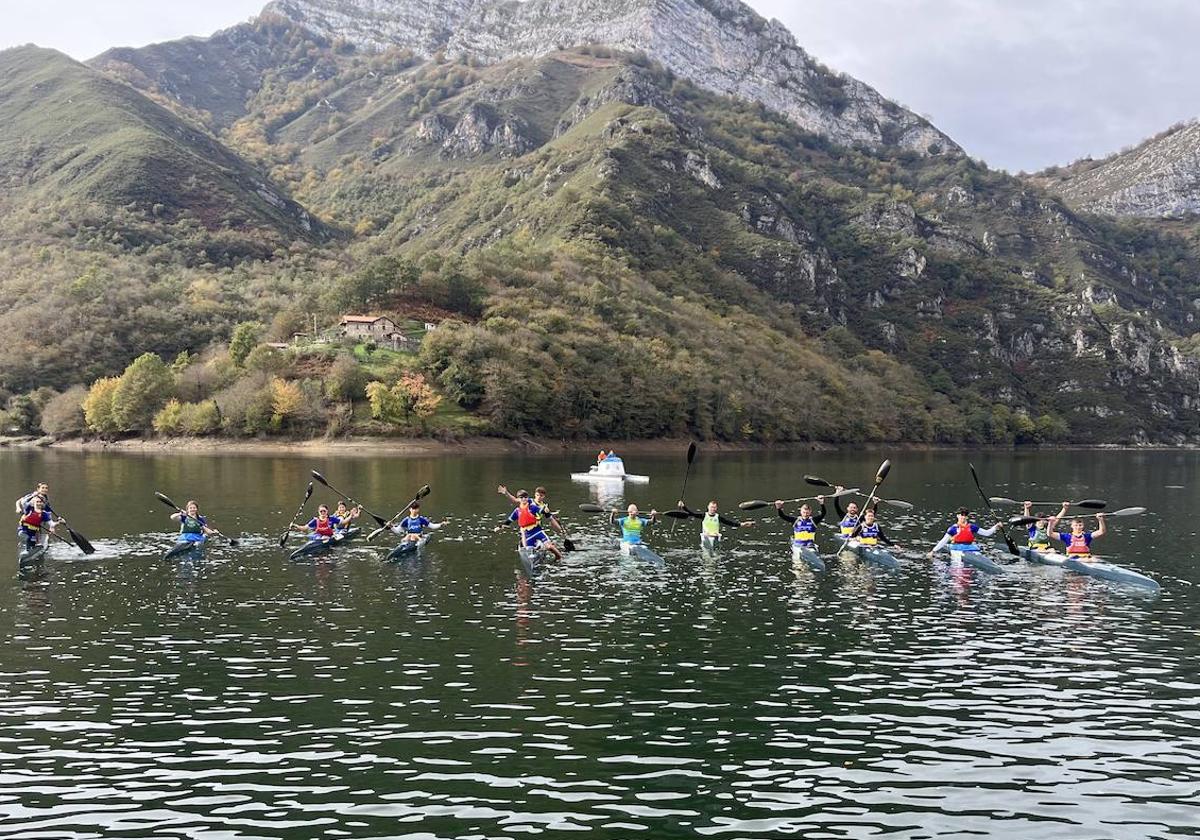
(711, 520)
(1039, 532)
(870, 533)
(36, 524)
(632, 524)
(528, 521)
(848, 518)
(345, 516)
(542, 502)
(413, 526)
(193, 527)
(42, 491)
(804, 525)
(961, 535)
(320, 527)
(1078, 542)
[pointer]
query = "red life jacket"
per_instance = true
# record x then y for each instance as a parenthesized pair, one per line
(964, 535)
(32, 520)
(324, 529)
(525, 518)
(1078, 544)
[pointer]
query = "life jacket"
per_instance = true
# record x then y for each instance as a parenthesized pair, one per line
(847, 525)
(1078, 545)
(191, 525)
(631, 529)
(964, 535)
(32, 521)
(324, 529)
(412, 525)
(1038, 538)
(543, 513)
(804, 533)
(526, 518)
(711, 526)
(869, 535)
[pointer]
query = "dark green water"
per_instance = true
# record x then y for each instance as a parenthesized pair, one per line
(244, 695)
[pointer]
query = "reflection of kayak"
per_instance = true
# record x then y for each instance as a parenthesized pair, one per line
(31, 556)
(978, 560)
(315, 548)
(640, 551)
(185, 547)
(810, 556)
(873, 554)
(1109, 571)
(408, 548)
(709, 543)
(611, 468)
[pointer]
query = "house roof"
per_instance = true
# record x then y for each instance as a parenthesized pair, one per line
(363, 319)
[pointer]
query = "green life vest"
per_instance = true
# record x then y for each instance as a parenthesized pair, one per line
(711, 527)
(631, 528)
(1040, 538)
(190, 525)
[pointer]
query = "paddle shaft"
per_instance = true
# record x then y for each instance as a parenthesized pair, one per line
(379, 520)
(691, 457)
(307, 495)
(1008, 540)
(421, 494)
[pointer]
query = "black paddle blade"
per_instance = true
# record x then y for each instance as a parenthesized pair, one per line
(308, 493)
(754, 504)
(590, 508)
(379, 520)
(233, 543)
(691, 456)
(284, 538)
(882, 472)
(81, 541)
(1022, 520)
(816, 481)
(319, 477)
(166, 501)
(1091, 504)
(423, 492)
(678, 514)
(568, 544)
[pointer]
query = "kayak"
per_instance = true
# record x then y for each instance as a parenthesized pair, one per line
(709, 543)
(978, 560)
(611, 468)
(31, 556)
(409, 548)
(1109, 571)
(873, 554)
(640, 551)
(185, 547)
(532, 559)
(1043, 556)
(810, 556)
(315, 548)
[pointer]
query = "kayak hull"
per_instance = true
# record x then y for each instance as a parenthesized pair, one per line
(532, 559)
(408, 548)
(31, 556)
(977, 560)
(809, 556)
(316, 548)
(873, 554)
(1110, 571)
(1041, 556)
(708, 543)
(640, 551)
(185, 548)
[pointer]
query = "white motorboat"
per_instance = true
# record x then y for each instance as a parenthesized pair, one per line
(611, 468)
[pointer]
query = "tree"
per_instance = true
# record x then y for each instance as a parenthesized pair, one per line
(346, 379)
(63, 414)
(143, 389)
(98, 405)
(286, 399)
(245, 338)
(411, 397)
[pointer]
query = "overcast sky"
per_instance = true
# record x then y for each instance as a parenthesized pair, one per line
(1019, 83)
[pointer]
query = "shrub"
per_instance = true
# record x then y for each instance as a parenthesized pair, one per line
(63, 414)
(286, 399)
(246, 405)
(141, 392)
(267, 359)
(346, 380)
(410, 398)
(168, 420)
(98, 405)
(202, 418)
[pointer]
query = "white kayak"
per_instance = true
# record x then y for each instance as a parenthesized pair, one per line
(709, 543)
(808, 555)
(876, 554)
(1090, 566)
(1042, 556)
(611, 468)
(640, 551)
(976, 559)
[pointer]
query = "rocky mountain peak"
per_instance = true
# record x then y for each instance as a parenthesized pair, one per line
(720, 45)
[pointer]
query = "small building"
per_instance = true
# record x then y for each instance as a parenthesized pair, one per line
(372, 327)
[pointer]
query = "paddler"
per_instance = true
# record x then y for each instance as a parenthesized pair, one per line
(36, 524)
(542, 503)
(413, 526)
(526, 515)
(345, 515)
(848, 518)
(25, 503)
(870, 533)
(961, 535)
(711, 520)
(804, 525)
(632, 524)
(1078, 542)
(320, 527)
(1039, 532)
(193, 527)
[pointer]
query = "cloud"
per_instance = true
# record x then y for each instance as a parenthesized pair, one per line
(1020, 83)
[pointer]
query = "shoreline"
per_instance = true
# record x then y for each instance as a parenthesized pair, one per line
(429, 447)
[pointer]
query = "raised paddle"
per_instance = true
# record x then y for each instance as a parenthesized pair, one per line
(880, 475)
(691, 456)
(587, 507)
(379, 520)
(307, 495)
(759, 504)
(1030, 520)
(1008, 541)
(1086, 504)
(166, 501)
(898, 503)
(421, 494)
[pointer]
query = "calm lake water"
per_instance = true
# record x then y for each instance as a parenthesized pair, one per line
(247, 696)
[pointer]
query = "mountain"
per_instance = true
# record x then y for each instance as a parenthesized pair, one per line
(1159, 178)
(614, 249)
(75, 136)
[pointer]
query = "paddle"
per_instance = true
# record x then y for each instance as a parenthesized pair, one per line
(307, 495)
(759, 504)
(166, 501)
(1030, 520)
(880, 475)
(80, 540)
(379, 520)
(898, 503)
(1008, 541)
(691, 456)
(590, 508)
(1086, 504)
(421, 494)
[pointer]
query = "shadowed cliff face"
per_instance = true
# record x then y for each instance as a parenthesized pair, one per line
(721, 45)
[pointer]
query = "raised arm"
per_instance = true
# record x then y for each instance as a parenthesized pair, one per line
(1102, 528)
(786, 517)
